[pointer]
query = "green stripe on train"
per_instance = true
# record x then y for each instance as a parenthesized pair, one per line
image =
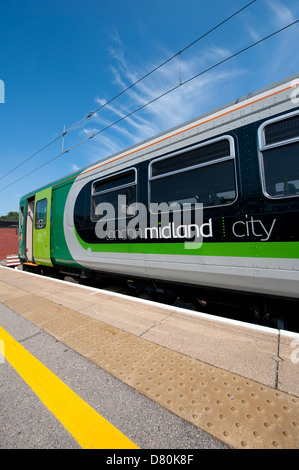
(241, 249)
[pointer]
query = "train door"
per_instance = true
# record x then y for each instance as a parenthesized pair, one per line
(29, 230)
(41, 227)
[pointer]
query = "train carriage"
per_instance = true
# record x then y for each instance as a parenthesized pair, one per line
(233, 174)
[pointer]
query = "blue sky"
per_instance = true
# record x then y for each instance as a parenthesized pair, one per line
(60, 60)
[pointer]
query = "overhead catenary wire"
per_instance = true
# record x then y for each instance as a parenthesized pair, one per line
(90, 114)
(29, 158)
(183, 83)
(162, 64)
(153, 100)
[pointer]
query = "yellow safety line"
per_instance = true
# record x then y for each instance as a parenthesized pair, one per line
(87, 427)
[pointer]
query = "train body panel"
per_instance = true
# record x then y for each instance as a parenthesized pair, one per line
(233, 176)
(41, 227)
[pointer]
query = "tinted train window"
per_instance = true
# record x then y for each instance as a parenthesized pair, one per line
(108, 190)
(204, 174)
(114, 181)
(279, 131)
(41, 214)
(21, 217)
(279, 146)
(193, 157)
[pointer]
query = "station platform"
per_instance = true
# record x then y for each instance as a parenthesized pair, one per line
(238, 382)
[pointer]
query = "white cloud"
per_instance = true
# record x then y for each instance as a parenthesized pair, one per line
(208, 91)
(198, 96)
(115, 36)
(281, 56)
(182, 104)
(87, 131)
(283, 14)
(253, 33)
(74, 167)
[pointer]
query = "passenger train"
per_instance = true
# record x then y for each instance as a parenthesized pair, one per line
(207, 211)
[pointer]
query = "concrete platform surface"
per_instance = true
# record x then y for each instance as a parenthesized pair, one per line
(236, 381)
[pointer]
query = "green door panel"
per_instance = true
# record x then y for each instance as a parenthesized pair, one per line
(22, 214)
(41, 227)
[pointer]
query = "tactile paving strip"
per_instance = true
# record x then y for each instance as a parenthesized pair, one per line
(237, 411)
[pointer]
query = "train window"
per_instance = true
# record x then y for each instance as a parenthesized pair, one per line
(279, 150)
(193, 157)
(41, 214)
(282, 130)
(21, 217)
(202, 174)
(108, 190)
(115, 181)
